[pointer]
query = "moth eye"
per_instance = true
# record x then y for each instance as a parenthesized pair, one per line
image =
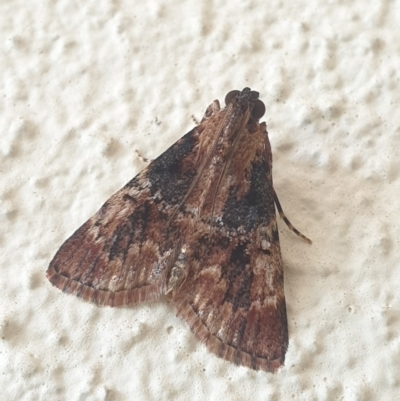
(230, 96)
(258, 110)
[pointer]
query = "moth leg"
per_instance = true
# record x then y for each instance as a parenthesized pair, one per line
(142, 158)
(286, 220)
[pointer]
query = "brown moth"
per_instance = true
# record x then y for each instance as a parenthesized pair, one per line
(198, 225)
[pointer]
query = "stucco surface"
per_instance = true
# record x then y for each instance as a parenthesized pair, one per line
(84, 85)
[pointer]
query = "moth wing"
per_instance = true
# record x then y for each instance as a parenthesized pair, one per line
(233, 295)
(120, 256)
(235, 303)
(238, 310)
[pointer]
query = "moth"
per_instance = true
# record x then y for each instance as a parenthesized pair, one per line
(198, 227)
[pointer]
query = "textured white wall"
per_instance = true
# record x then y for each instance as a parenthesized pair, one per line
(85, 84)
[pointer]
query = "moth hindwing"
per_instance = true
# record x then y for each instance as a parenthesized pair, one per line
(199, 226)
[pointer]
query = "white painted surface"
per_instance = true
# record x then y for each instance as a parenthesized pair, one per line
(85, 84)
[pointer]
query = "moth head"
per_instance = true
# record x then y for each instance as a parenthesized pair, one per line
(250, 99)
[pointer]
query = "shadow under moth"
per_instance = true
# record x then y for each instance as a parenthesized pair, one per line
(197, 226)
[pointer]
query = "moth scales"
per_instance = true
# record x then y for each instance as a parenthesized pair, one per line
(197, 226)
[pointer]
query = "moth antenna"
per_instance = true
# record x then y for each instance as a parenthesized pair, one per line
(286, 220)
(232, 152)
(142, 158)
(202, 167)
(195, 120)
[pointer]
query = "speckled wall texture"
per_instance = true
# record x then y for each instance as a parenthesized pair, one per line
(87, 85)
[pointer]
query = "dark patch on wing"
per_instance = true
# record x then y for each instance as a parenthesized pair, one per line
(256, 206)
(239, 277)
(171, 173)
(133, 229)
